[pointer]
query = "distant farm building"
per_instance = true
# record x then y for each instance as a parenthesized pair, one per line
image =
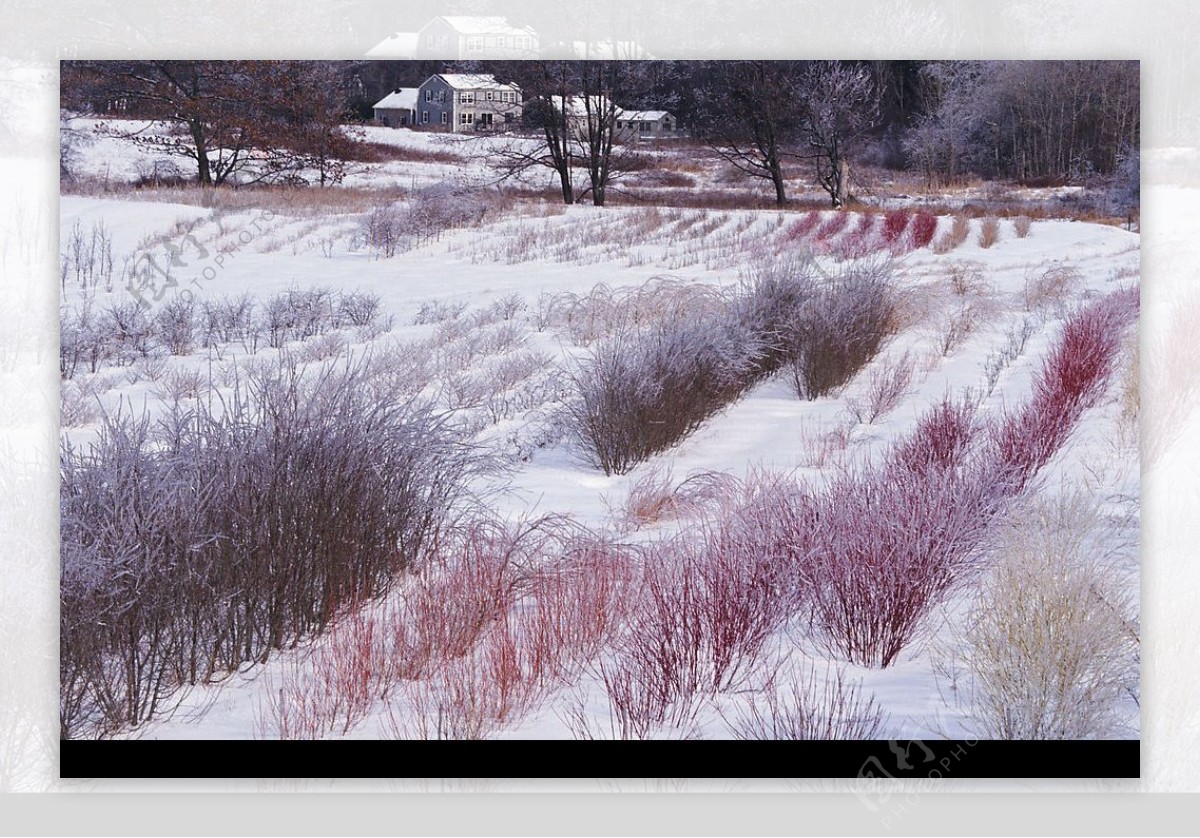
(645, 124)
(629, 125)
(398, 108)
(466, 102)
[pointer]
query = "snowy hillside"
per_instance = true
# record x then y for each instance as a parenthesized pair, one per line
(552, 594)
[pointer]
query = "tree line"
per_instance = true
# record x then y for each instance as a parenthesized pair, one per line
(1053, 121)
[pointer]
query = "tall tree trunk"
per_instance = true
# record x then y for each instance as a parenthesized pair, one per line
(204, 174)
(841, 183)
(777, 180)
(568, 191)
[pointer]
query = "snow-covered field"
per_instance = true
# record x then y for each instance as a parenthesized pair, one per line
(499, 311)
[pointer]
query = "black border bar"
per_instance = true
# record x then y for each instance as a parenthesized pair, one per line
(501, 758)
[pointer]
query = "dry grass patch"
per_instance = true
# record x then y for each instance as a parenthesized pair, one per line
(989, 232)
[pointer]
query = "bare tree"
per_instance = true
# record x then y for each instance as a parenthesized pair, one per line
(542, 84)
(573, 106)
(207, 101)
(838, 105)
(748, 113)
(267, 119)
(304, 116)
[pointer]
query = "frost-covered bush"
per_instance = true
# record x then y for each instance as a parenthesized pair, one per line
(391, 228)
(652, 383)
(1049, 290)
(175, 325)
(441, 207)
(770, 308)
(359, 308)
(229, 319)
(297, 315)
(228, 532)
(643, 390)
(843, 327)
(382, 229)
(85, 342)
(1050, 647)
(130, 331)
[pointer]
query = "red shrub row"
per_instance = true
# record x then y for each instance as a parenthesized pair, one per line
(803, 226)
(890, 541)
(895, 223)
(1071, 380)
(832, 226)
(860, 241)
(923, 226)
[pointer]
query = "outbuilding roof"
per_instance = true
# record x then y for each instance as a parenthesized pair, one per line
(404, 98)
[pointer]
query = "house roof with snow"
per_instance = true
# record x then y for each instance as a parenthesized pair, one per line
(397, 45)
(481, 25)
(643, 116)
(474, 81)
(402, 98)
(576, 106)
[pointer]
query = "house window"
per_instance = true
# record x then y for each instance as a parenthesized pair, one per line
(523, 43)
(441, 97)
(645, 126)
(490, 95)
(467, 98)
(475, 44)
(466, 118)
(424, 117)
(428, 95)
(445, 118)
(485, 120)
(429, 40)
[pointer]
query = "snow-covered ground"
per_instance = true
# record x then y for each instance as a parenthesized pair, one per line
(510, 277)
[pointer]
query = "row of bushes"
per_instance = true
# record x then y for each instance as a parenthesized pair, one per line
(865, 557)
(685, 617)
(391, 228)
(860, 562)
(892, 540)
(125, 332)
(650, 385)
(899, 231)
(193, 546)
